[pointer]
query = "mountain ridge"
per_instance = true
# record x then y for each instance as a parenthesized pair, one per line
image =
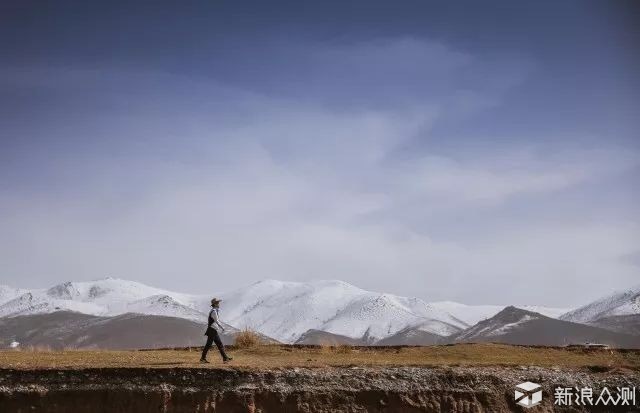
(284, 310)
(622, 302)
(513, 325)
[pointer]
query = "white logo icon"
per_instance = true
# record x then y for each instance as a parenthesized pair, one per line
(528, 394)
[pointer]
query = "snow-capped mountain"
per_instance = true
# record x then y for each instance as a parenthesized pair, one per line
(163, 304)
(25, 304)
(281, 310)
(285, 310)
(500, 324)
(516, 326)
(626, 302)
(9, 293)
(105, 297)
(472, 314)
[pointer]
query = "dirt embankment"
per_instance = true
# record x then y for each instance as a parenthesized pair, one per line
(355, 389)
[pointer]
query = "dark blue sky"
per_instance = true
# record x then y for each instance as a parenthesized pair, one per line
(447, 146)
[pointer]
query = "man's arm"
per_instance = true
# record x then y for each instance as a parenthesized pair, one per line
(218, 323)
(217, 320)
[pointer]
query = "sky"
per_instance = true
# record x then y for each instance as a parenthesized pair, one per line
(480, 152)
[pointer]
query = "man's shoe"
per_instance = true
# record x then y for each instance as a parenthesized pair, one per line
(228, 359)
(204, 361)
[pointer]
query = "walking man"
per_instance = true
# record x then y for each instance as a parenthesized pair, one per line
(212, 333)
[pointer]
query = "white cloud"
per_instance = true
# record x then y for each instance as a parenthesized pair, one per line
(490, 180)
(244, 187)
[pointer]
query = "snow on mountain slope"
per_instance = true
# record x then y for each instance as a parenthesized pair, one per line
(9, 293)
(376, 316)
(285, 310)
(626, 302)
(162, 304)
(105, 297)
(553, 312)
(500, 324)
(516, 326)
(34, 302)
(472, 314)
(469, 314)
(25, 304)
(112, 294)
(282, 310)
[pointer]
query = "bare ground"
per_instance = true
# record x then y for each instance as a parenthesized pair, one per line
(274, 356)
(460, 378)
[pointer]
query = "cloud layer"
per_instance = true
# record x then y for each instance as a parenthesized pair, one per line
(183, 181)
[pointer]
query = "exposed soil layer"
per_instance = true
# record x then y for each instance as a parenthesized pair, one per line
(334, 389)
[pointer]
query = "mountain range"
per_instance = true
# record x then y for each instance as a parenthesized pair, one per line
(319, 312)
(517, 326)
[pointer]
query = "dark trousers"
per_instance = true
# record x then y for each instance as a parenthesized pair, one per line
(213, 337)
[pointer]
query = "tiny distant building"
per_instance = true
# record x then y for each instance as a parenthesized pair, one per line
(597, 345)
(594, 346)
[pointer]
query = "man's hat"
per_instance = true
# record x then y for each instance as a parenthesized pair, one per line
(215, 301)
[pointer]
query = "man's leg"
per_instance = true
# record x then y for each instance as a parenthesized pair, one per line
(206, 348)
(216, 339)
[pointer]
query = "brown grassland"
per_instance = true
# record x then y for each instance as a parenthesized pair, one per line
(284, 356)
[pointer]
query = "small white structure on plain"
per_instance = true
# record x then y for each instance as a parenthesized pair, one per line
(598, 345)
(14, 344)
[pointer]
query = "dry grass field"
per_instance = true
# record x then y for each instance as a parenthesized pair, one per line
(282, 356)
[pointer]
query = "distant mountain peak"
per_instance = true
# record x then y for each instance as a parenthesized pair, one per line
(512, 311)
(64, 291)
(623, 302)
(283, 310)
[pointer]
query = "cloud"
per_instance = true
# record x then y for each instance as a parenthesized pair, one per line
(184, 182)
(632, 258)
(492, 180)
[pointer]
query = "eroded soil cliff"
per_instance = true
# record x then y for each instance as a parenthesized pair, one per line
(330, 389)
